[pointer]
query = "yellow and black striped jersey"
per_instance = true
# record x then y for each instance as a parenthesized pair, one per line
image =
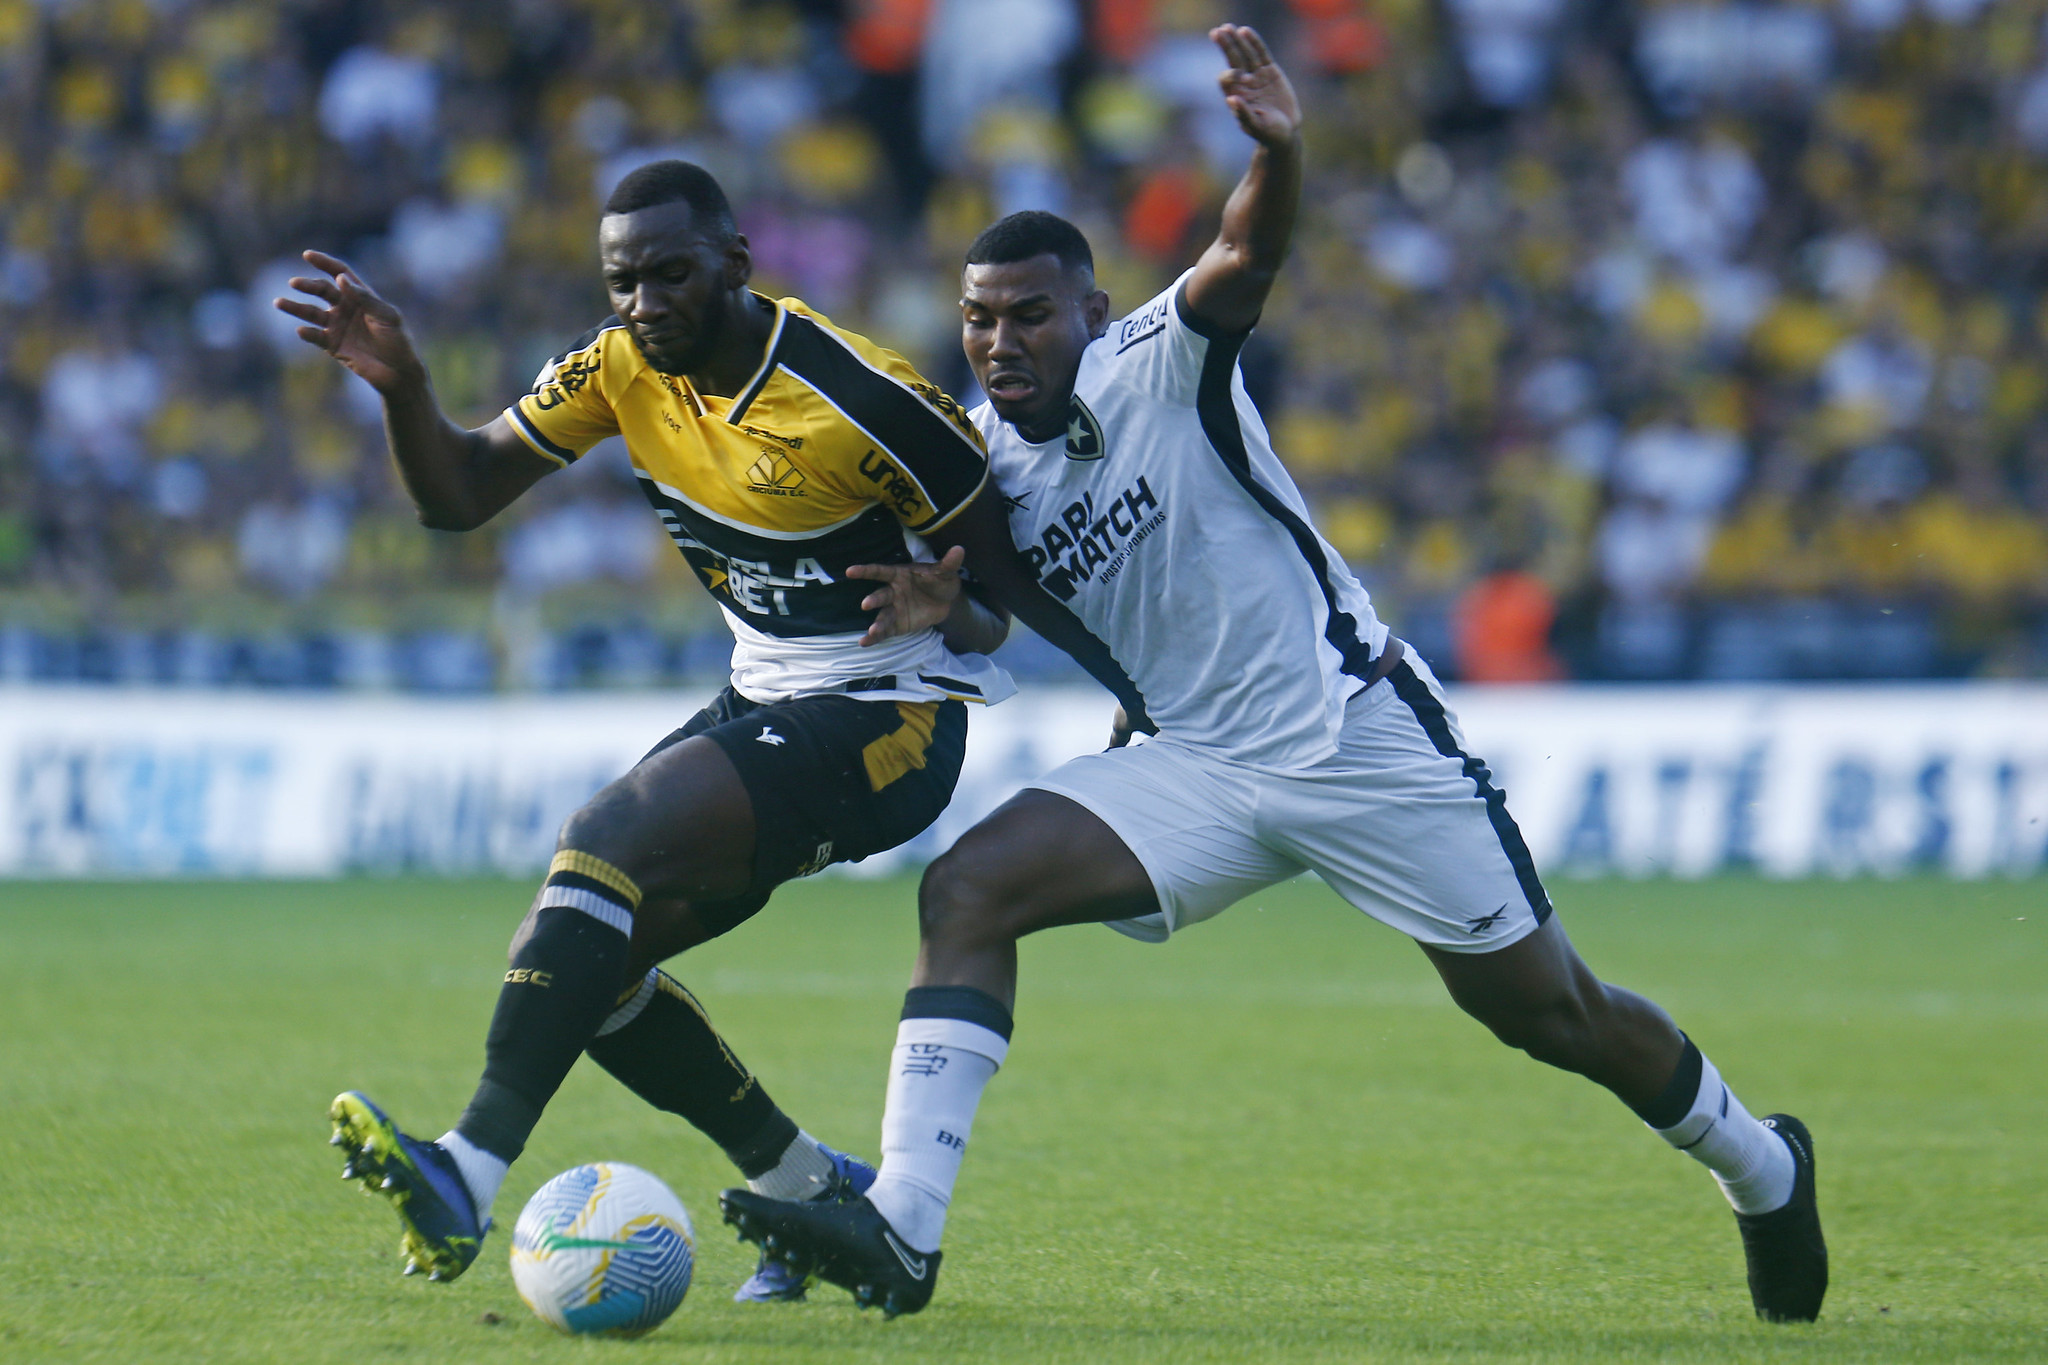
(835, 453)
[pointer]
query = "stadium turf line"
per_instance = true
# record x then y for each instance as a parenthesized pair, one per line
(1269, 1140)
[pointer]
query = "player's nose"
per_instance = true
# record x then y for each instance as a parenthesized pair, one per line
(648, 303)
(1007, 343)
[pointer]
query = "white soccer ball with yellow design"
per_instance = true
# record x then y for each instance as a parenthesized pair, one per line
(604, 1250)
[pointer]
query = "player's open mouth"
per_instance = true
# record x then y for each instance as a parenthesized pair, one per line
(1011, 388)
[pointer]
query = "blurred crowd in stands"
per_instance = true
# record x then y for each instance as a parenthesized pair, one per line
(1674, 340)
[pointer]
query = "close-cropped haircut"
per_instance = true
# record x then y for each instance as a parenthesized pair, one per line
(1034, 232)
(669, 182)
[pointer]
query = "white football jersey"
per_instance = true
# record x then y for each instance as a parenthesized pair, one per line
(1166, 524)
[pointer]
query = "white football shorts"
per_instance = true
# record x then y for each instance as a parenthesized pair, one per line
(1401, 821)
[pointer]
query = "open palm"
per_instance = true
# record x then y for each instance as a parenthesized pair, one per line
(1255, 87)
(912, 597)
(358, 327)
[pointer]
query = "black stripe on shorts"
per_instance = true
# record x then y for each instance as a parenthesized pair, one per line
(1429, 713)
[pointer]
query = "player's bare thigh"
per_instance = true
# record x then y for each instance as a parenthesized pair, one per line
(681, 825)
(1038, 861)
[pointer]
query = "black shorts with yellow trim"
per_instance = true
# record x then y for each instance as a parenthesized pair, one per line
(832, 780)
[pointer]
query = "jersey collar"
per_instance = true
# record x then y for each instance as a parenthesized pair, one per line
(754, 385)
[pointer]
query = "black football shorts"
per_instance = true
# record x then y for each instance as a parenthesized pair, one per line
(833, 779)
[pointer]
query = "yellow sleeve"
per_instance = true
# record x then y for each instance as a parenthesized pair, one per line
(566, 412)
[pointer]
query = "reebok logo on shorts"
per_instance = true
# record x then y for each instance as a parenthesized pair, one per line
(1482, 923)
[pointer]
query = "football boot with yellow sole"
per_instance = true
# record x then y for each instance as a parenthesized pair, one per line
(442, 1230)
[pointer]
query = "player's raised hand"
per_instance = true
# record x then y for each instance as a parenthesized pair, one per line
(912, 597)
(357, 326)
(1255, 87)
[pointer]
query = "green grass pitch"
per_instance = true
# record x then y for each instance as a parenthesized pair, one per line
(1269, 1140)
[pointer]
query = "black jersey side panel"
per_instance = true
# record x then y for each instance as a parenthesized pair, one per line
(1217, 409)
(939, 455)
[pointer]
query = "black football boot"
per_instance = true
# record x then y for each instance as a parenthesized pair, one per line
(1788, 1258)
(849, 1244)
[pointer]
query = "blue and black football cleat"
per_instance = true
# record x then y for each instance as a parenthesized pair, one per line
(1788, 1257)
(442, 1230)
(851, 1245)
(774, 1282)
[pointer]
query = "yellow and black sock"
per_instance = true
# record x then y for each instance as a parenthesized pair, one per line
(661, 1045)
(562, 984)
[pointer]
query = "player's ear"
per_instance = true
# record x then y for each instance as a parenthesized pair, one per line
(739, 262)
(1095, 308)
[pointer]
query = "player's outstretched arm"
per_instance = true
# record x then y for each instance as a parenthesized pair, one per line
(1230, 283)
(914, 597)
(458, 479)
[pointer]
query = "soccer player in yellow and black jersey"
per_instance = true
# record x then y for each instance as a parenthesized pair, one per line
(829, 451)
(790, 460)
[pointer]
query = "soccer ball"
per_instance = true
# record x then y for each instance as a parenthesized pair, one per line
(603, 1250)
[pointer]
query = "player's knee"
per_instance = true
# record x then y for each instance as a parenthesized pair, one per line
(612, 825)
(958, 901)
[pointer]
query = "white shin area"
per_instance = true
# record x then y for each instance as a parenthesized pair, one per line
(481, 1172)
(936, 1076)
(1752, 1164)
(804, 1172)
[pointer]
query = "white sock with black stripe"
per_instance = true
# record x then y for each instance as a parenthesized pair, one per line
(1752, 1164)
(941, 1064)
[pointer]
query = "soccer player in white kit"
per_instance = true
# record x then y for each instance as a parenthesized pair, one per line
(1290, 732)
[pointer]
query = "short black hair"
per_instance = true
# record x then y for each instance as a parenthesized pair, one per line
(667, 182)
(1034, 232)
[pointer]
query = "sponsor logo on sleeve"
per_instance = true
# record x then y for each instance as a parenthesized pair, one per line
(569, 377)
(1142, 326)
(818, 862)
(949, 407)
(896, 490)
